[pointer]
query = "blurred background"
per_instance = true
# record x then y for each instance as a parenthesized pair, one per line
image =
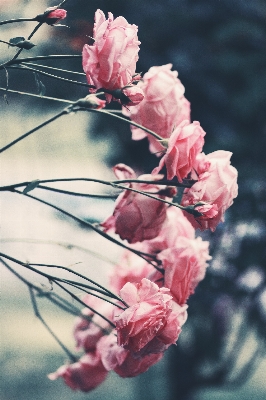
(218, 49)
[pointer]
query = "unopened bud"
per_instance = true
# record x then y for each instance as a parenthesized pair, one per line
(52, 15)
(134, 95)
(91, 101)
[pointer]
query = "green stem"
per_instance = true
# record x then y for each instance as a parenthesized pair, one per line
(11, 21)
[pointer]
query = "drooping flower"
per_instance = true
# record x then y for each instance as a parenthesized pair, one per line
(184, 145)
(90, 328)
(85, 374)
(148, 317)
(110, 63)
(215, 189)
(174, 226)
(137, 217)
(184, 266)
(125, 363)
(163, 107)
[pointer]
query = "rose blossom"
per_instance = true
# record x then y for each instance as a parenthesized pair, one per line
(137, 217)
(150, 309)
(184, 266)
(122, 361)
(184, 145)
(216, 187)
(85, 374)
(174, 226)
(88, 330)
(110, 62)
(163, 107)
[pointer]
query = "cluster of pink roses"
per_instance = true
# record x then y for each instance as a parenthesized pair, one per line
(154, 293)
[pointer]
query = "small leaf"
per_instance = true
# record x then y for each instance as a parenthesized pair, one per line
(32, 185)
(25, 44)
(16, 40)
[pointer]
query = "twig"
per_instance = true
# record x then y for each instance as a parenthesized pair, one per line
(38, 315)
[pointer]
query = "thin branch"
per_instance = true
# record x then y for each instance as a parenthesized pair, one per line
(94, 228)
(101, 196)
(66, 245)
(53, 297)
(37, 58)
(38, 95)
(48, 121)
(55, 69)
(11, 21)
(26, 68)
(158, 137)
(38, 315)
(84, 304)
(51, 277)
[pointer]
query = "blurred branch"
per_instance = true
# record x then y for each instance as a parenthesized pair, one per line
(38, 315)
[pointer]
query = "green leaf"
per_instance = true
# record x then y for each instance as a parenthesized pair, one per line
(16, 40)
(32, 185)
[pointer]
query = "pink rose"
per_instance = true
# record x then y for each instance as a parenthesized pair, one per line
(131, 268)
(174, 226)
(216, 188)
(146, 318)
(137, 217)
(163, 107)
(110, 62)
(184, 145)
(85, 374)
(54, 16)
(122, 361)
(88, 330)
(184, 267)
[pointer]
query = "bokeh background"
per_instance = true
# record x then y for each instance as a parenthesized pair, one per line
(218, 49)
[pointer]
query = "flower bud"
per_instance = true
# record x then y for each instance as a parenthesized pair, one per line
(52, 15)
(134, 94)
(92, 101)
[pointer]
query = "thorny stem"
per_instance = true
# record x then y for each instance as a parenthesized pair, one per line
(38, 315)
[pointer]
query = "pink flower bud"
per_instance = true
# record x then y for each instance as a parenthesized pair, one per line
(55, 15)
(134, 94)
